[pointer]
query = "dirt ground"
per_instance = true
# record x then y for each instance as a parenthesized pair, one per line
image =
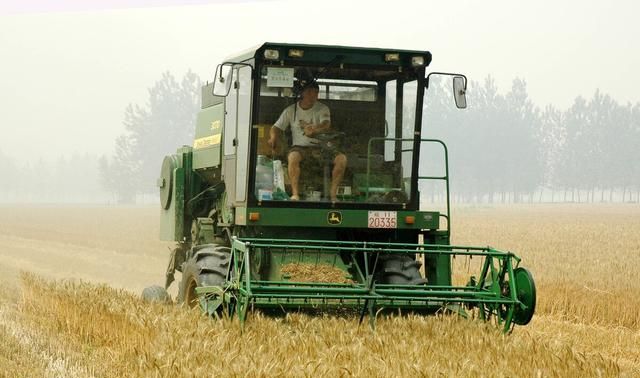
(118, 246)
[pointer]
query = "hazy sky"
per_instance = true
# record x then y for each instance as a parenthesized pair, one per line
(68, 72)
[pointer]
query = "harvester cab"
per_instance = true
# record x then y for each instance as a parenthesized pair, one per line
(351, 239)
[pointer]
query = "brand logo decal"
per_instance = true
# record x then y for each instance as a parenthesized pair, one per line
(334, 217)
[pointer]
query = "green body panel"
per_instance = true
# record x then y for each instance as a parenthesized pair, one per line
(208, 137)
(206, 157)
(172, 219)
(205, 118)
(349, 218)
(204, 232)
(438, 267)
(208, 99)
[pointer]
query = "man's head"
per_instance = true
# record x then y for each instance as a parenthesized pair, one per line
(309, 95)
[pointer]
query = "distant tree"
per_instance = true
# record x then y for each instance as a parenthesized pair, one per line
(623, 152)
(572, 168)
(121, 174)
(152, 131)
(521, 141)
(604, 129)
(486, 158)
(552, 137)
(632, 137)
(35, 181)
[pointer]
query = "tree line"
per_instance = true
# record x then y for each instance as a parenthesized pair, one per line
(129, 175)
(504, 148)
(71, 179)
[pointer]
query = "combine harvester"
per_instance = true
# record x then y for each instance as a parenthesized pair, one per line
(226, 200)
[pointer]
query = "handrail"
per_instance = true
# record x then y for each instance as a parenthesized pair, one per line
(446, 167)
(445, 177)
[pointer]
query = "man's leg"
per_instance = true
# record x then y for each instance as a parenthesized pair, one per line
(339, 166)
(294, 159)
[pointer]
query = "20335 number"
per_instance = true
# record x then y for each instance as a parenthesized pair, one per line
(383, 219)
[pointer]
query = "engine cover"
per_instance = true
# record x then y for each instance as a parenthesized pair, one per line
(165, 182)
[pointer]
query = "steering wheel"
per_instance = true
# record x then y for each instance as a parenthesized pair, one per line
(329, 141)
(325, 136)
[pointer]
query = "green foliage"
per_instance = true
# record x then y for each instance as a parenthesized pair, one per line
(152, 131)
(597, 147)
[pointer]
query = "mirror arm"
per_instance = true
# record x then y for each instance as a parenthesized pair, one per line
(238, 64)
(446, 74)
(221, 79)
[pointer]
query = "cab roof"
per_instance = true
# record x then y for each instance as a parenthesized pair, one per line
(326, 53)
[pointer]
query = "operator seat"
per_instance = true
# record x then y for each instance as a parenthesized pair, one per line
(315, 173)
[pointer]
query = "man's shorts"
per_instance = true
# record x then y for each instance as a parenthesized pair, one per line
(314, 152)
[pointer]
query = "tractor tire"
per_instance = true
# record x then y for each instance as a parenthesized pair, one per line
(208, 266)
(401, 270)
(156, 293)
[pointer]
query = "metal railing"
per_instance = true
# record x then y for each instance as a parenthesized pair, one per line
(487, 291)
(445, 178)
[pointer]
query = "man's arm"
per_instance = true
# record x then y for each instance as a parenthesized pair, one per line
(324, 122)
(277, 129)
(274, 136)
(310, 129)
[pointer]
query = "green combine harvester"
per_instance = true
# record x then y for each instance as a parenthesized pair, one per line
(245, 244)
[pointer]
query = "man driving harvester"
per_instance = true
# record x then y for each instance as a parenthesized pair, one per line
(307, 118)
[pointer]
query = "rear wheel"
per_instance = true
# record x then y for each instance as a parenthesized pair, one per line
(208, 266)
(401, 270)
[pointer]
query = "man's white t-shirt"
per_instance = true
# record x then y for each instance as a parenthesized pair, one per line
(315, 115)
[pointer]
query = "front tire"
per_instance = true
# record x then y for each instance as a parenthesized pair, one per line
(208, 266)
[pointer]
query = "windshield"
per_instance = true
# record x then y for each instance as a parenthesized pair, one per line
(346, 138)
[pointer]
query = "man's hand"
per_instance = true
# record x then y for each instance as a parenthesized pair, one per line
(273, 142)
(307, 128)
(274, 138)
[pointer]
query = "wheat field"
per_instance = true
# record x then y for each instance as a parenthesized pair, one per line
(70, 307)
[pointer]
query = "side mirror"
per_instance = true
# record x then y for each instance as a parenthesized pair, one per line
(222, 80)
(459, 91)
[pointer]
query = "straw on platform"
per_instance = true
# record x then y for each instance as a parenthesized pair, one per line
(304, 272)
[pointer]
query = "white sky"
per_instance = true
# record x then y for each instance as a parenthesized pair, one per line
(66, 77)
